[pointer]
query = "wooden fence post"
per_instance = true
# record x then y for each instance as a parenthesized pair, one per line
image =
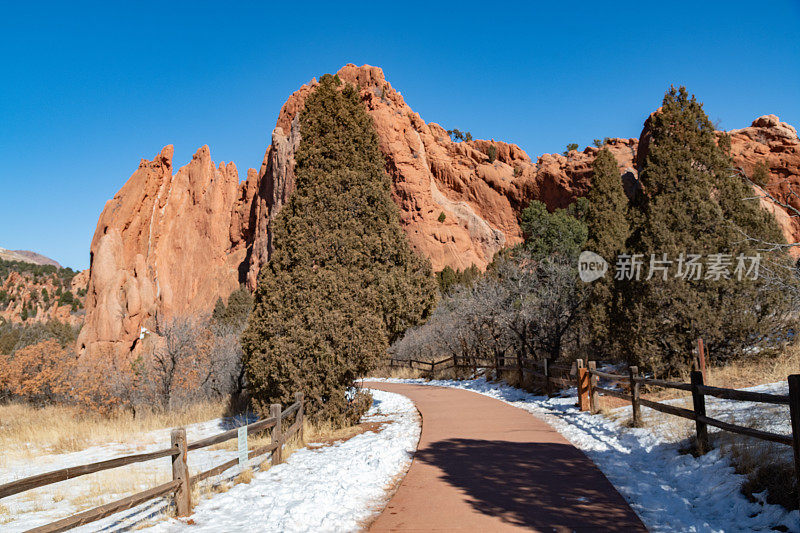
(299, 397)
(180, 472)
(794, 410)
(594, 397)
(635, 387)
(583, 387)
(277, 436)
(699, 401)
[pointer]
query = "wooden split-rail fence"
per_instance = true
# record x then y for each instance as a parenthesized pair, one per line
(182, 482)
(585, 377)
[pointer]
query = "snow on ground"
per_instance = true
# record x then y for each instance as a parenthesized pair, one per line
(670, 491)
(332, 488)
(47, 504)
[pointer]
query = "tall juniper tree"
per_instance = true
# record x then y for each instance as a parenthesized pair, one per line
(692, 203)
(608, 229)
(343, 282)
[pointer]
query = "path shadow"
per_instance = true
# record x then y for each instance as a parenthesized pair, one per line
(544, 486)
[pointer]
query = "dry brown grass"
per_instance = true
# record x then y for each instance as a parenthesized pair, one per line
(750, 373)
(736, 375)
(768, 466)
(5, 514)
(245, 476)
(399, 372)
(26, 431)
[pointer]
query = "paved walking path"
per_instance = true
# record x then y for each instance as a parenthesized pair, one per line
(483, 465)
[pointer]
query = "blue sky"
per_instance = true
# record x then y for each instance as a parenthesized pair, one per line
(90, 89)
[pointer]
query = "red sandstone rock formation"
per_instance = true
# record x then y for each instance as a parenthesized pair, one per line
(173, 244)
(770, 141)
(164, 244)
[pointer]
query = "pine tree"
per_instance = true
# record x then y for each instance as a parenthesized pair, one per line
(692, 203)
(343, 282)
(608, 229)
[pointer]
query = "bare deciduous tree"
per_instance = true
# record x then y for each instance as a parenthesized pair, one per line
(523, 308)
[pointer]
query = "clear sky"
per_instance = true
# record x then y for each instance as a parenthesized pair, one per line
(90, 89)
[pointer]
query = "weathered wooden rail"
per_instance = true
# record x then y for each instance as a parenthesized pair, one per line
(550, 374)
(585, 376)
(182, 482)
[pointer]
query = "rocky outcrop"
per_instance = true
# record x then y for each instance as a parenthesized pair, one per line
(173, 243)
(28, 297)
(165, 244)
(770, 141)
(767, 141)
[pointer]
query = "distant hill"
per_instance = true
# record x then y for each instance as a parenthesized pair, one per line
(26, 256)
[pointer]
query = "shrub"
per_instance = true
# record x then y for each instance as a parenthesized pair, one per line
(187, 360)
(597, 143)
(237, 310)
(39, 373)
(548, 233)
(458, 135)
(570, 148)
(28, 335)
(492, 153)
(66, 298)
(760, 174)
(521, 307)
(442, 217)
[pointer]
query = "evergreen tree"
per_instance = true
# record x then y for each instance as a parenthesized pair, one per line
(236, 312)
(692, 203)
(343, 281)
(608, 229)
(449, 278)
(559, 232)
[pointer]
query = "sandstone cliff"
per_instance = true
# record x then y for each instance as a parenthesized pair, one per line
(173, 243)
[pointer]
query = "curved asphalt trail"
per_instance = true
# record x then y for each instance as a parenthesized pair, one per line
(483, 465)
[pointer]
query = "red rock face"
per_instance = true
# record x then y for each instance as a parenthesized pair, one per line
(173, 244)
(163, 245)
(776, 143)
